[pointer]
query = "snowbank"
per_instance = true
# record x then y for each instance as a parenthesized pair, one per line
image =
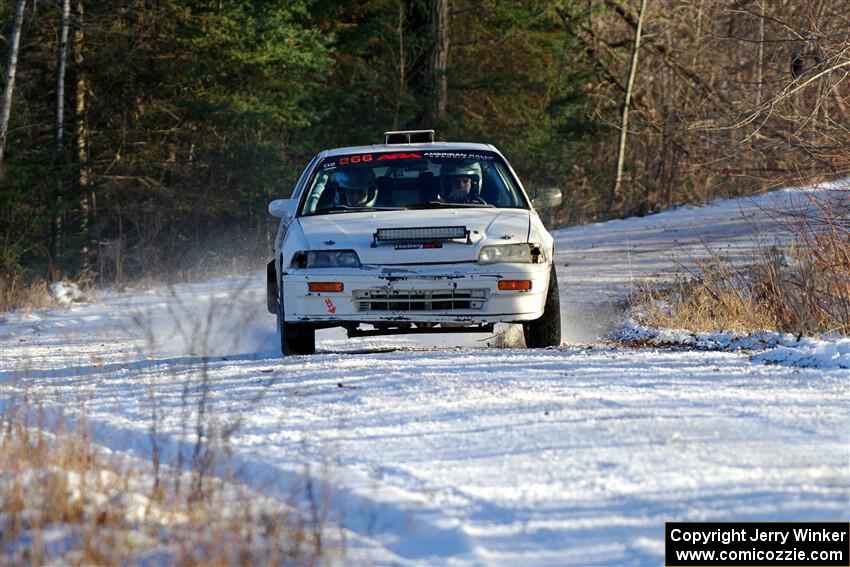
(773, 348)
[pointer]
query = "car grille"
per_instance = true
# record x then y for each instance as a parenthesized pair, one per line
(412, 300)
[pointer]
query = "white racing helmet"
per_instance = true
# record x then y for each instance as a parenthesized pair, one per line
(471, 170)
(357, 185)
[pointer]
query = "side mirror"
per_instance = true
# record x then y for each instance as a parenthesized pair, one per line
(547, 197)
(283, 208)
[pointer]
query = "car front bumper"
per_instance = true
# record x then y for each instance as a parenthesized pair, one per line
(464, 293)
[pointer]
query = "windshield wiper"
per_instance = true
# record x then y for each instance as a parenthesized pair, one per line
(346, 209)
(441, 204)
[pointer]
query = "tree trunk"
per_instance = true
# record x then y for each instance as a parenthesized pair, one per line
(401, 65)
(440, 57)
(61, 60)
(625, 121)
(759, 69)
(9, 79)
(81, 132)
(59, 124)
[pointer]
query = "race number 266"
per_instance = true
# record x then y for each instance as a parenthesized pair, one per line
(355, 159)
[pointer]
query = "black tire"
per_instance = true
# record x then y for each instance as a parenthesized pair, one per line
(295, 338)
(546, 331)
(271, 287)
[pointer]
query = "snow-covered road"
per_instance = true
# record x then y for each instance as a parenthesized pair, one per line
(444, 451)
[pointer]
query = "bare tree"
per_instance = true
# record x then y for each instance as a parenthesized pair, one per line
(81, 131)
(401, 64)
(59, 123)
(624, 124)
(760, 67)
(9, 79)
(440, 56)
(61, 64)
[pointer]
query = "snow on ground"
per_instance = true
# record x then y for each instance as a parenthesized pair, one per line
(778, 348)
(444, 451)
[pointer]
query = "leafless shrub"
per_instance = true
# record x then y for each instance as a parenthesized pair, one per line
(815, 294)
(706, 298)
(109, 510)
(27, 293)
(17, 292)
(180, 500)
(803, 288)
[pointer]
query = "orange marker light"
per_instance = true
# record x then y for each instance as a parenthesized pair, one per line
(325, 286)
(515, 285)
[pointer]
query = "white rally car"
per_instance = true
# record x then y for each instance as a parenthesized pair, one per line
(412, 236)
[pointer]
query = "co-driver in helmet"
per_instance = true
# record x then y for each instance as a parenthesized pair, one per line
(358, 186)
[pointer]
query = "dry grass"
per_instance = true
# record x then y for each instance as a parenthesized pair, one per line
(65, 500)
(18, 293)
(27, 294)
(704, 304)
(803, 289)
(179, 499)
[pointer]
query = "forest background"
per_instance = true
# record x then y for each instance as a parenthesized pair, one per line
(145, 138)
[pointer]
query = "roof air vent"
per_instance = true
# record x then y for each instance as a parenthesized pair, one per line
(409, 137)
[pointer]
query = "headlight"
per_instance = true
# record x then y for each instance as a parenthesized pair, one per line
(326, 259)
(513, 253)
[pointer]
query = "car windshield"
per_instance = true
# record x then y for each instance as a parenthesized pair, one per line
(411, 180)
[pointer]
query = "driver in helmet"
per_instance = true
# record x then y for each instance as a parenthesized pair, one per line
(358, 186)
(462, 184)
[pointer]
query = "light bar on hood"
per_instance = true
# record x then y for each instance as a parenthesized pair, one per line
(424, 234)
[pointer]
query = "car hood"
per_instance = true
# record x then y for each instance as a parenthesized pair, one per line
(356, 231)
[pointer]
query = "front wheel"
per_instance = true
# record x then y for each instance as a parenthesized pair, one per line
(546, 331)
(295, 338)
